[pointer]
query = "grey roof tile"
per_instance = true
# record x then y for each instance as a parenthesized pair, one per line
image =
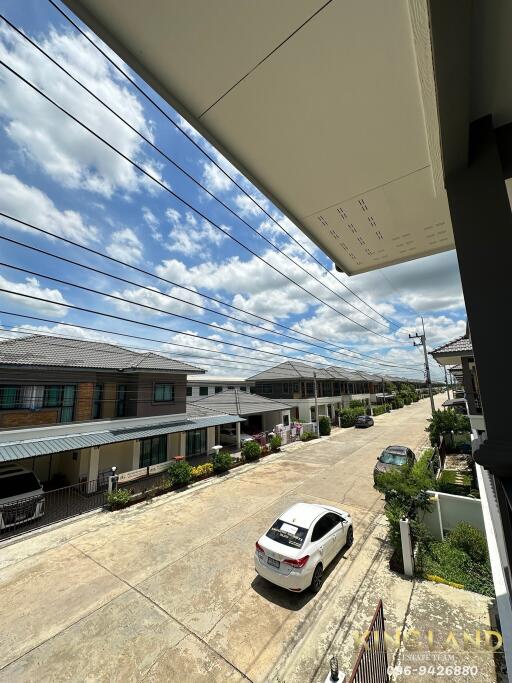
(460, 345)
(40, 350)
(238, 402)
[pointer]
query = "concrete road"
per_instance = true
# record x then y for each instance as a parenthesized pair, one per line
(166, 591)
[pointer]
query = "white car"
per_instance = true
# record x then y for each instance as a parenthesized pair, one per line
(21, 496)
(298, 547)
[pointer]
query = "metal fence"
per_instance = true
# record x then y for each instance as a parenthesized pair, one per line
(372, 661)
(32, 512)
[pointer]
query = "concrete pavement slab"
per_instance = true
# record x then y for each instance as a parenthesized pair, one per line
(44, 594)
(118, 642)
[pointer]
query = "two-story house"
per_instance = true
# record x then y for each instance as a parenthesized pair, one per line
(72, 409)
(294, 382)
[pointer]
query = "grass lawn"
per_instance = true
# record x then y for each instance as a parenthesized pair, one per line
(463, 561)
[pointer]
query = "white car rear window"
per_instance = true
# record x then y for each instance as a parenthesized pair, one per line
(287, 534)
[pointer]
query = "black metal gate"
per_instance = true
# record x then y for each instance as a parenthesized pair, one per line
(48, 507)
(372, 660)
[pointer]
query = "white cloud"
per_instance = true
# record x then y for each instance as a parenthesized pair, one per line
(125, 246)
(68, 153)
(31, 287)
(153, 223)
(214, 179)
(188, 236)
(30, 204)
(154, 297)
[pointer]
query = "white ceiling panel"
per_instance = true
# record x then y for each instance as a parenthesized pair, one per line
(320, 104)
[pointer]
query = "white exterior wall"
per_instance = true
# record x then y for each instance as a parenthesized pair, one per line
(211, 388)
(305, 404)
(447, 510)
(273, 418)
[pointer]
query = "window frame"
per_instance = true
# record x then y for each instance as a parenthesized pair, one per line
(156, 387)
(97, 401)
(203, 391)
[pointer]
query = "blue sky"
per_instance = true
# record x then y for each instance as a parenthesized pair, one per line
(57, 176)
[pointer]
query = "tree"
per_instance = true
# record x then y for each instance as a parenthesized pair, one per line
(324, 426)
(444, 421)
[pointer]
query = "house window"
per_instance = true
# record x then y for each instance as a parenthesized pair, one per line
(189, 391)
(121, 400)
(337, 390)
(243, 388)
(52, 395)
(286, 420)
(203, 391)
(230, 388)
(218, 390)
(97, 401)
(196, 442)
(68, 403)
(286, 388)
(310, 389)
(264, 389)
(163, 393)
(153, 450)
(295, 387)
(9, 397)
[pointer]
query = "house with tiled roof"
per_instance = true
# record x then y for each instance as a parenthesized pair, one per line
(71, 409)
(457, 356)
(294, 382)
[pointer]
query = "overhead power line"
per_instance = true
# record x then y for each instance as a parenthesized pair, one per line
(39, 250)
(172, 161)
(163, 311)
(164, 352)
(213, 161)
(152, 325)
(165, 187)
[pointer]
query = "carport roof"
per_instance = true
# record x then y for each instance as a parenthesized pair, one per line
(240, 403)
(28, 448)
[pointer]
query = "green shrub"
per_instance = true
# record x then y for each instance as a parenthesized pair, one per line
(221, 462)
(180, 473)
(348, 415)
(469, 539)
(324, 426)
(202, 470)
(308, 436)
(251, 450)
(407, 400)
(397, 402)
(275, 443)
(381, 409)
(118, 499)
(444, 421)
(404, 490)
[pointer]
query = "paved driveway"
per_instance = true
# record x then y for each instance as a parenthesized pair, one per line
(167, 591)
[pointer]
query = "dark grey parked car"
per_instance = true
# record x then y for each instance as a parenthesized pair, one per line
(364, 421)
(392, 458)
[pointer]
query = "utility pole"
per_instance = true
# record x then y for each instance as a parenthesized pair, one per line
(446, 382)
(316, 405)
(423, 343)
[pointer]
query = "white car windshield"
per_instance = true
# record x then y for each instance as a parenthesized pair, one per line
(19, 484)
(288, 534)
